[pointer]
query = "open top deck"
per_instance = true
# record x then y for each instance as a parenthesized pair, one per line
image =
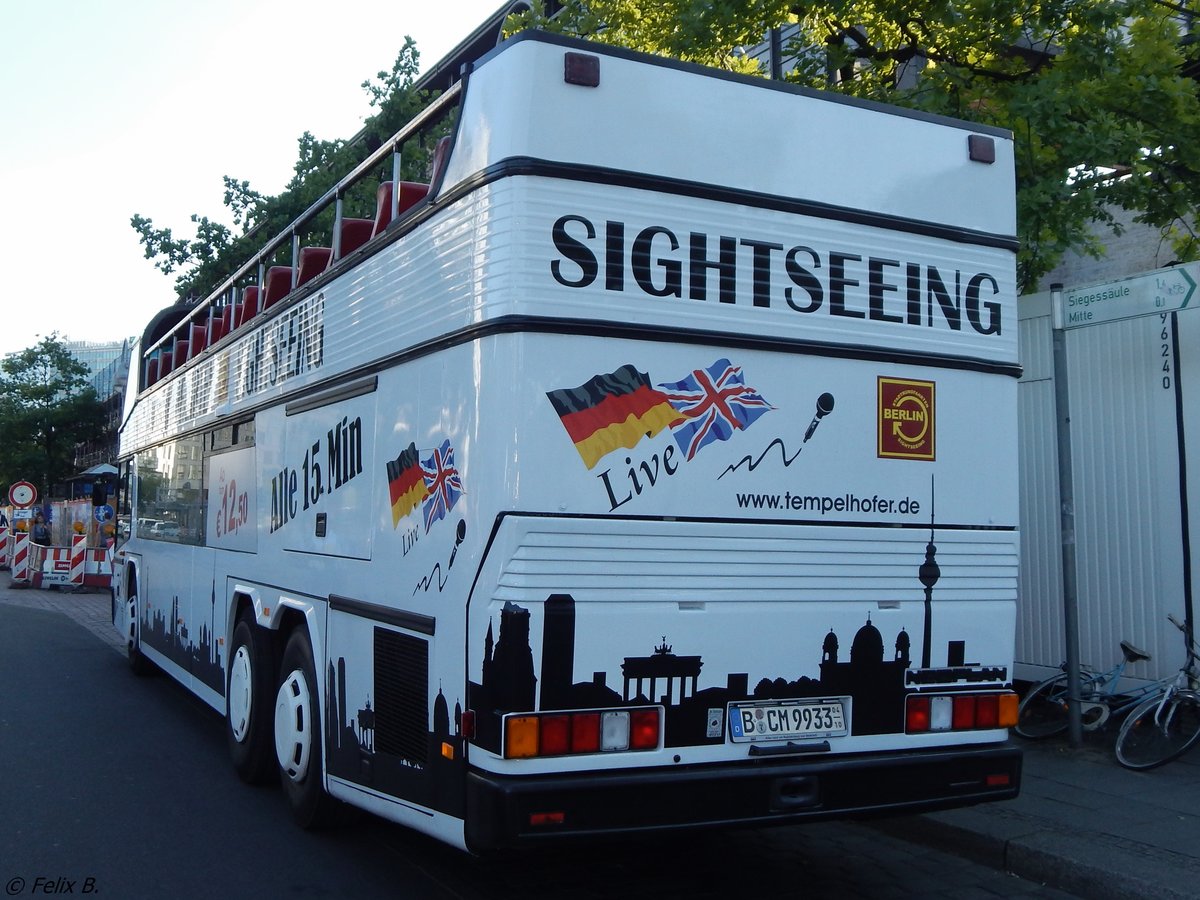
(525, 115)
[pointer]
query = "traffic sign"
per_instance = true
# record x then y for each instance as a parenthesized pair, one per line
(103, 513)
(22, 494)
(1163, 291)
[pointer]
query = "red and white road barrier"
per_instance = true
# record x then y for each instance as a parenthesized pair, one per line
(78, 565)
(98, 568)
(5, 548)
(79, 552)
(49, 565)
(20, 562)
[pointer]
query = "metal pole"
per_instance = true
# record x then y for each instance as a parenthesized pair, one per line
(1066, 494)
(776, 43)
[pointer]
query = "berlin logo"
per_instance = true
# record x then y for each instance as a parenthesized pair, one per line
(906, 419)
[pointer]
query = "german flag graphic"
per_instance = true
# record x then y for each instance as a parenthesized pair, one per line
(406, 484)
(611, 411)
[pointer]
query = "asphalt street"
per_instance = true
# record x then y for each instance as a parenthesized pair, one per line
(121, 786)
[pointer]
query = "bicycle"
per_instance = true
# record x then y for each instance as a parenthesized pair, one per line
(1167, 725)
(1043, 711)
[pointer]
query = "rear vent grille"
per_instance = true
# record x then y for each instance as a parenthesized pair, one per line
(759, 562)
(402, 696)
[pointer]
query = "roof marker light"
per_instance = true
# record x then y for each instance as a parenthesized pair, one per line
(981, 148)
(582, 69)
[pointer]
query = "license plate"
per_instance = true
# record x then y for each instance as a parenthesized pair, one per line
(781, 720)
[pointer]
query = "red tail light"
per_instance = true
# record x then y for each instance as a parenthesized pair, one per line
(916, 718)
(958, 712)
(987, 712)
(585, 732)
(643, 729)
(562, 733)
(964, 712)
(555, 735)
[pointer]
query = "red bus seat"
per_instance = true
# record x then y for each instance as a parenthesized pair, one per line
(218, 324)
(355, 233)
(247, 309)
(180, 353)
(313, 261)
(279, 285)
(411, 193)
(198, 340)
(152, 370)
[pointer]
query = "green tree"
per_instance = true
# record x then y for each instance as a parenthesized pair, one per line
(46, 408)
(1097, 93)
(215, 252)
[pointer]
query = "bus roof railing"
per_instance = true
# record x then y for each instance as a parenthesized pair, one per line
(436, 111)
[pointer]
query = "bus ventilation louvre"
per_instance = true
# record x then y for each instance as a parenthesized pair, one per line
(402, 689)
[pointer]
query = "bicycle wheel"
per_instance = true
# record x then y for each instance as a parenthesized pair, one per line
(1157, 732)
(1043, 712)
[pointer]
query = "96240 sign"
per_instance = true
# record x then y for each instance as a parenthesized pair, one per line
(788, 719)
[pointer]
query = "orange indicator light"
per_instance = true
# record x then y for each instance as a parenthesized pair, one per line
(521, 737)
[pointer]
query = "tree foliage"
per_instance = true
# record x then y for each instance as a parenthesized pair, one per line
(1097, 93)
(214, 252)
(47, 407)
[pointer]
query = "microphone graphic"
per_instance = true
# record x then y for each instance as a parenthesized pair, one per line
(824, 408)
(461, 533)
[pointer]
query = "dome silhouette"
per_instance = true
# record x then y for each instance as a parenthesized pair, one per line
(867, 646)
(829, 650)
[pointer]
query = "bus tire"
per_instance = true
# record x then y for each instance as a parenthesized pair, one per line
(249, 690)
(138, 662)
(298, 736)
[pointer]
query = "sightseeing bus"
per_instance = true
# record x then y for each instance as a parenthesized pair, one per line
(647, 462)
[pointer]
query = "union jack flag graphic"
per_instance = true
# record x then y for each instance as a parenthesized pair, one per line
(715, 402)
(443, 483)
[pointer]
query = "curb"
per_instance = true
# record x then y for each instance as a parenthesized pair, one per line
(1088, 864)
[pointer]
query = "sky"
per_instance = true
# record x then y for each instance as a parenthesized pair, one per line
(141, 106)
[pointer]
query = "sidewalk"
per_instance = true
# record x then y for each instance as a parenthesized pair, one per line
(1082, 823)
(91, 608)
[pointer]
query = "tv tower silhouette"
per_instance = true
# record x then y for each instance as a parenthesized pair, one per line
(929, 573)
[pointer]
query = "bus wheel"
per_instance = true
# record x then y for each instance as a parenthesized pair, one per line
(248, 719)
(298, 736)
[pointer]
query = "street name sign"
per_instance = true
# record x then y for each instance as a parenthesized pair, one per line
(1163, 291)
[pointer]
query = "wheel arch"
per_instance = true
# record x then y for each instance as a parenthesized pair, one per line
(291, 618)
(275, 620)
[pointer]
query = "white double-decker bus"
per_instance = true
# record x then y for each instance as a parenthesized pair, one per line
(652, 465)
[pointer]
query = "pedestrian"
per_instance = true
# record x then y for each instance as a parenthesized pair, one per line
(41, 531)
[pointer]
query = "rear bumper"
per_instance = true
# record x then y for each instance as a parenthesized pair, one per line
(759, 792)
